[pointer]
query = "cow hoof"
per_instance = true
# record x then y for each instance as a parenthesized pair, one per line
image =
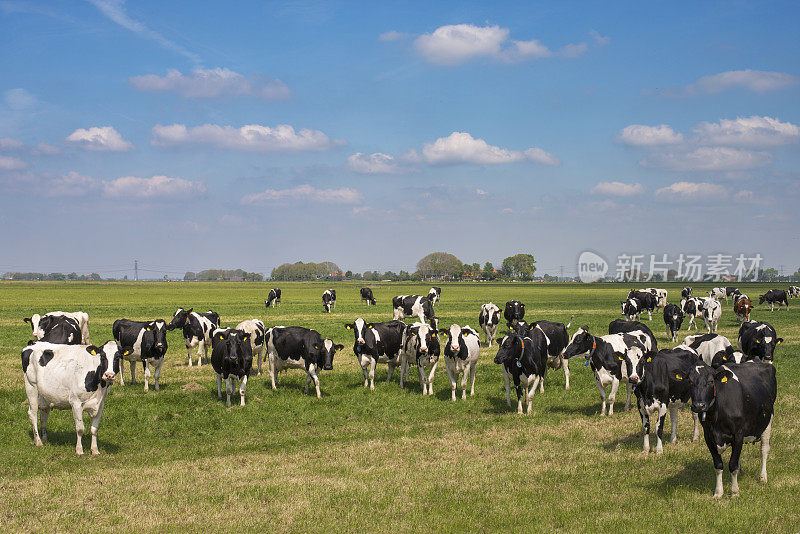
(659, 450)
(763, 479)
(95, 453)
(79, 453)
(734, 494)
(38, 443)
(717, 495)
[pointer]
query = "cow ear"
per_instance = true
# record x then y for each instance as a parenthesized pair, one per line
(370, 326)
(27, 320)
(780, 340)
(758, 341)
(348, 326)
(339, 347)
(91, 349)
(316, 346)
(189, 310)
(127, 351)
(31, 342)
(443, 331)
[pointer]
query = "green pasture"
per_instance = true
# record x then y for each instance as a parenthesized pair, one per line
(359, 461)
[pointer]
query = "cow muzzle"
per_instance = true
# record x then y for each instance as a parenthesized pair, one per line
(634, 379)
(109, 376)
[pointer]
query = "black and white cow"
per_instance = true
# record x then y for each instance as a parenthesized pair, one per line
(693, 308)
(60, 330)
(794, 292)
(148, 343)
(715, 350)
(673, 318)
(613, 358)
(513, 313)
(420, 346)
(686, 292)
(69, 377)
(758, 340)
(257, 331)
(296, 347)
(232, 359)
(639, 302)
(523, 361)
(731, 291)
(434, 294)
(718, 293)
(635, 328)
(659, 294)
(42, 323)
(461, 352)
(664, 385)
(329, 300)
(735, 404)
(556, 338)
(773, 297)
(712, 311)
(273, 298)
(489, 319)
(197, 329)
(366, 296)
(377, 343)
(414, 305)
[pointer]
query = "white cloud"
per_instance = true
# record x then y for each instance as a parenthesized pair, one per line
(8, 163)
(45, 149)
(619, 189)
(599, 39)
(747, 131)
(115, 11)
(132, 187)
(758, 81)
(376, 163)
(461, 147)
(19, 99)
(9, 144)
(455, 44)
(211, 83)
(103, 138)
(642, 135)
(393, 36)
(708, 159)
(252, 137)
(304, 192)
(71, 184)
(744, 196)
(692, 191)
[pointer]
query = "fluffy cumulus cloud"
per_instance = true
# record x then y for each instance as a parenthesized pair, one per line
(376, 163)
(252, 137)
(304, 193)
(644, 136)
(618, 189)
(458, 43)
(99, 138)
(155, 187)
(211, 83)
(708, 159)
(692, 191)
(758, 81)
(747, 131)
(8, 163)
(461, 147)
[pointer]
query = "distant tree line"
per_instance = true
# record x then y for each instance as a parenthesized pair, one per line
(307, 271)
(57, 277)
(236, 275)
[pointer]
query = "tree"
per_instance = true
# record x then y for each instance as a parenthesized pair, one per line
(519, 266)
(190, 276)
(488, 271)
(95, 277)
(348, 274)
(769, 275)
(438, 265)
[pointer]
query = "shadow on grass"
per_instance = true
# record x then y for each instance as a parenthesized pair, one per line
(589, 410)
(632, 442)
(60, 438)
(698, 476)
(499, 406)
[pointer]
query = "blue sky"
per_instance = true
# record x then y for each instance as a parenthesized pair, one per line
(194, 135)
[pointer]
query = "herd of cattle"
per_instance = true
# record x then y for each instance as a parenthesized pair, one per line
(731, 392)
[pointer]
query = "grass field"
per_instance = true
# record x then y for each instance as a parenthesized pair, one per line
(390, 460)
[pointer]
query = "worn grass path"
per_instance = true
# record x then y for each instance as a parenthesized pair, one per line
(391, 460)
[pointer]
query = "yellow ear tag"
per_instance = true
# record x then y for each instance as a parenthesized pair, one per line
(758, 341)
(650, 359)
(724, 379)
(679, 377)
(93, 352)
(780, 341)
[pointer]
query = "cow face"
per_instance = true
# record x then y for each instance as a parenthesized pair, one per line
(180, 319)
(582, 342)
(509, 351)
(158, 329)
(110, 354)
(426, 340)
(704, 391)
(360, 328)
(455, 339)
(238, 349)
(34, 321)
(323, 353)
(633, 357)
(765, 341)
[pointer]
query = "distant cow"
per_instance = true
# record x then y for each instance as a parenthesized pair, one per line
(273, 298)
(232, 359)
(197, 329)
(693, 308)
(257, 331)
(758, 340)
(60, 330)
(635, 328)
(686, 292)
(461, 352)
(718, 293)
(673, 317)
(513, 312)
(735, 404)
(329, 300)
(295, 347)
(773, 297)
(414, 305)
(794, 292)
(434, 294)
(148, 343)
(377, 343)
(65, 377)
(42, 323)
(613, 358)
(712, 311)
(366, 296)
(489, 319)
(715, 350)
(659, 294)
(742, 306)
(664, 385)
(420, 346)
(731, 292)
(639, 302)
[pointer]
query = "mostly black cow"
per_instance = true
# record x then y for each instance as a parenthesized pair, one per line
(60, 330)
(147, 341)
(366, 296)
(420, 346)
(673, 318)
(41, 324)
(329, 300)
(758, 340)
(513, 313)
(773, 297)
(257, 331)
(197, 329)
(524, 361)
(295, 347)
(232, 359)
(377, 343)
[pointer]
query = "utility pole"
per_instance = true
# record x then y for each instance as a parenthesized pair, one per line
(561, 279)
(136, 270)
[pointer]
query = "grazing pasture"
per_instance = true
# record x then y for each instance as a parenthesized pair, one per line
(389, 460)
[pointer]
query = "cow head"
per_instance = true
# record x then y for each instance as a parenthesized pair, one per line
(510, 349)
(426, 341)
(322, 353)
(362, 339)
(582, 343)
(455, 346)
(704, 390)
(762, 299)
(34, 321)
(110, 354)
(180, 319)
(765, 341)
(158, 331)
(239, 349)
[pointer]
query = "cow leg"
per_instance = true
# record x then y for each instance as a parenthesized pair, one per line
(650, 314)
(717, 458)
(506, 379)
(453, 380)
(531, 391)
(133, 372)
(695, 428)
(612, 396)
(764, 449)
(316, 386)
(202, 350)
(733, 465)
(95, 426)
(602, 389)
(33, 412)
(645, 415)
(565, 363)
(472, 378)
(228, 390)
(271, 358)
(662, 414)
(157, 372)
(219, 386)
(77, 414)
(628, 389)
(372, 364)
(465, 381)
(146, 375)
(43, 415)
(242, 387)
(422, 377)
(260, 354)
(121, 372)
(402, 368)
(188, 353)
(673, 421)
(431, 377)
(390, 371)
